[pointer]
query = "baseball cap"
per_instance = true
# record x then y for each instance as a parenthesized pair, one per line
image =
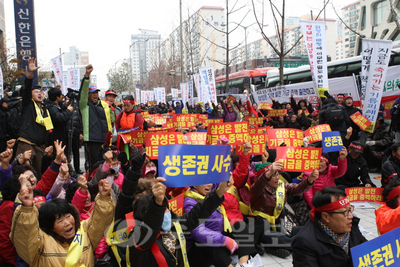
(93, 89)
(357, 146)
(348, 96)
(111, 92)
(315, 113)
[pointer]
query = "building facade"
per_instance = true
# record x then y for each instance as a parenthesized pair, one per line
(350, 17)
(75, 57)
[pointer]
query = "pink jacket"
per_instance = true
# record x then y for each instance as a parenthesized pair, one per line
(327, 178)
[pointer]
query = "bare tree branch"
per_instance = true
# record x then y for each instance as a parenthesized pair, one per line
(394, 14)
(362, 36)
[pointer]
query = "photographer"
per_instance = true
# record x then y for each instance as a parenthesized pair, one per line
(59, 115)
(77, 134)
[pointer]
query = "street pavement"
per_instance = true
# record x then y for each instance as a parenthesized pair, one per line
(367, 223)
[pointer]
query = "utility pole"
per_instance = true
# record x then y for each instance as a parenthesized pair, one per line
(227, 50)
(181, 41)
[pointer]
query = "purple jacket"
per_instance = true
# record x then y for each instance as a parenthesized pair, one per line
(229, 116)
(210, 232)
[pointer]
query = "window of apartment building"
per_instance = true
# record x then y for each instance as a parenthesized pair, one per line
(379, 10)
(363, 18)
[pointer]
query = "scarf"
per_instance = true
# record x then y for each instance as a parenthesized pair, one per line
(342, 240)
(46, 122)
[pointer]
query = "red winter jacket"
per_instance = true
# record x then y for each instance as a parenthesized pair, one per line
(231, 204)
(8, 252)
(387, 218)
(48, 178)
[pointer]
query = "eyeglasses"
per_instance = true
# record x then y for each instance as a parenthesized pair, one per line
(346, 212)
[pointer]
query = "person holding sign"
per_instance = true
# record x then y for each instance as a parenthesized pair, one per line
(388, 215)
(158, 238)
(268, 196)
(327, 174)
(326, 239)
(56, 229)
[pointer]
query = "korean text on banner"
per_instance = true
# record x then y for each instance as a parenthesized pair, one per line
(314, 35)
(73, 76)
(190, 88)
(236, 132)
(176, 204)
(365, 194)
(137, 95)
(374, 64)
(143, 97)
(277, 112)
(197, 83)
(196, 138)
(231, 98)
(299, 159)
(257, 142)
(360, 120)
(331, 142)
(291, 137)
(207, 122)
(185, 92)
(56, 64)
(162, 92)
(383, 250)
(208, 82)
(315, 133)
(256, 121)
(265, 105)
(186, 165)
(156, 140)
(175, 94)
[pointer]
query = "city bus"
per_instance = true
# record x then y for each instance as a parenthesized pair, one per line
(243, 80)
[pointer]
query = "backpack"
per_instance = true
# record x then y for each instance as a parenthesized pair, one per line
(334, 115)
(13, 117)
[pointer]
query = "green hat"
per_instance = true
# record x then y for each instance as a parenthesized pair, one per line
(259, 166)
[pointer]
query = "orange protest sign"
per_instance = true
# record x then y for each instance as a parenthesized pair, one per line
(365, 194)
(253, 130)
(207, 122)
(256, 121)
(277, 112)
(196, 138)
(305, 111)
(360, 120)
(153, 102)
(257, 142)
(315, 133)
(231, 98)
(263, 129)
(145, 114)
(299, 159)
(156, 119)
(201, 117)
(265, 105)
(182, 120)
(176, 204)
(139, 137)
(154, 140)
(236, 132)
(291, 137)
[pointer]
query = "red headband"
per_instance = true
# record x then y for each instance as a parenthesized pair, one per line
(394, 193)
(338, 204)
(325, 159)
(129, 101)
(356, 147)
(39, 199)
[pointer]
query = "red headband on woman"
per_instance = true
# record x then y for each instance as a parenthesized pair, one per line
(338, 204)
(39, 199)
(325, 159)
(394, 193)
(129, 101)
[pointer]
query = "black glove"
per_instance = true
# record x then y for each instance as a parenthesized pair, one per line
(123, 158)
(137, 162)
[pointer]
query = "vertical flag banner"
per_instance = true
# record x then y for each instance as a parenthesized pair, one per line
(184, 93)
(73, 76)
(374, 64)
(137, 95)
(190, 86)
(299, 159)
(56, 64)
(175, 94)
(150, 95)
(199, 90)
(157, 95)
(1, 83)
(143, 97)
(331, 142)
(189, 165)
(64, 86)
(25, 37)
(208, 83)
(314, 35)
(162, 94)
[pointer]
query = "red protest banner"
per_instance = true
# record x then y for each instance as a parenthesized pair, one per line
(182, 120)
(236, 132)
(291, 137)
(277, 112)
(196, 138)
(365, 194)
(139, 137)
(263, 129)
(315, 133)
(256, 121)
(201, 117)
(257, 142)
(145, 114)
(265, 105)
(299, 159)
(207, 122)
(360, 120)
(231, 98)
(176, 204)
(153, 102)
(253, 129)
(305, 111)
(154, 140)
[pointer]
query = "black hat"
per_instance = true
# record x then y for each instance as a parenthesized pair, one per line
(4, 99)
(357, 146)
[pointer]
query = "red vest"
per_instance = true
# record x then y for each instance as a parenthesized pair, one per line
(127, 120)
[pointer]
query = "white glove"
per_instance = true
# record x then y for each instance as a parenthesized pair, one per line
(370, 143)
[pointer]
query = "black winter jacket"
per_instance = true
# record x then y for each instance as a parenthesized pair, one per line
(356, 168)
(313, 247)
(61, 119)
(323, 117)
(390, 170)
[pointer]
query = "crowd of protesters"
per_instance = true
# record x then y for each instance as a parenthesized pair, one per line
(50, 215)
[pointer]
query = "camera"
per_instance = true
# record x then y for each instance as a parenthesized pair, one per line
(396, 109)
(72, 94)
